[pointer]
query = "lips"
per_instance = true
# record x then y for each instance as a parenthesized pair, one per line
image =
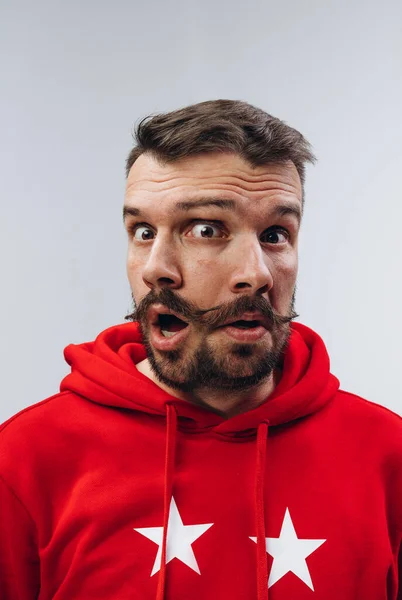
(245, 335)
(163, 343)
(160, 309)
(248, 316)
(160, 342)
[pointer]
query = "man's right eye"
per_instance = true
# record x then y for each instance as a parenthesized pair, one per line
(138, 231)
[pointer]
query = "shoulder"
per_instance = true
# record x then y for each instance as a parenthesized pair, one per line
(36, 415)
(373, 433)
(369, 413)
(372, 427)
(30, 410)
(34, 432)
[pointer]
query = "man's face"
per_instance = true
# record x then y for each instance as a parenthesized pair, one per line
(211, 264)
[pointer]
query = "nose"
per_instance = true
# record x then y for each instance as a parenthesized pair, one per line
(161, 268)
(252, 271)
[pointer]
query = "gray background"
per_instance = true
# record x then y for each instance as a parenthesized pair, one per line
(76, 76)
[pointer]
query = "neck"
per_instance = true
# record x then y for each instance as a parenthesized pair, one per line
(226, 404)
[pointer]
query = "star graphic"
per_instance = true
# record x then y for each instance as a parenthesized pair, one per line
(290, 553)
(179, 539)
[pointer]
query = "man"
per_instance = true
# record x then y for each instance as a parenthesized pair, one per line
(203, 450)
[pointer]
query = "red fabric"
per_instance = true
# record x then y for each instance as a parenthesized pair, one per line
(262, 570)
(169, 471)
(112, 473)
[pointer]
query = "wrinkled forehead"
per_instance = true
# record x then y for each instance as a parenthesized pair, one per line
(213, 171)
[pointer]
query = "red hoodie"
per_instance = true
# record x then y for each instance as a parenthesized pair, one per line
(113, 489)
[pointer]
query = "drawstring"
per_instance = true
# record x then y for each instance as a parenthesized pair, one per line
(171, 432)
(262, 567)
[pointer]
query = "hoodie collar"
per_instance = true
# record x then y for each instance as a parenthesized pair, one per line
(104, 371)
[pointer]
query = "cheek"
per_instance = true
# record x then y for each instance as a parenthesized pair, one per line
(209, 269)
(289, 268)
(204, 277)
(285, 265)
(200, 266)
(134, 269)
(284, 277)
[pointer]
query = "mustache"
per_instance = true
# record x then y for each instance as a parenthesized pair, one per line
(212, 317)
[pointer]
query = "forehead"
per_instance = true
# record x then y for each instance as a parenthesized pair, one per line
(221, 174)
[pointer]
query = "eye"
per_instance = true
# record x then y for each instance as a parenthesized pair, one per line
(205, 229)
(274, 232)
(143, 235)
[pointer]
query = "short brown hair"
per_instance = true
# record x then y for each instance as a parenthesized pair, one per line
(220, 126)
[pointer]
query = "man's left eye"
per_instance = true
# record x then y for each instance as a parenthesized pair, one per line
(274, 233)
(205, 229)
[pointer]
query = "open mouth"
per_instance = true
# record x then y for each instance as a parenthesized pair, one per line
(170, 324)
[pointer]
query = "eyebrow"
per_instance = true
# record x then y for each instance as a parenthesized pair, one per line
(281, 210)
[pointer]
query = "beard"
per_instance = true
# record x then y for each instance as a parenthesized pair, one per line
(212, 365)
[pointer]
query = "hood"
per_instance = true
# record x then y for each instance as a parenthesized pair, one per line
(104, 371)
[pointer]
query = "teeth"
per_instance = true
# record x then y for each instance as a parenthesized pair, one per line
(168, 333)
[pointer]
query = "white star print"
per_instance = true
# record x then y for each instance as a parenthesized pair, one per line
(290, 553)
(179, 539)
